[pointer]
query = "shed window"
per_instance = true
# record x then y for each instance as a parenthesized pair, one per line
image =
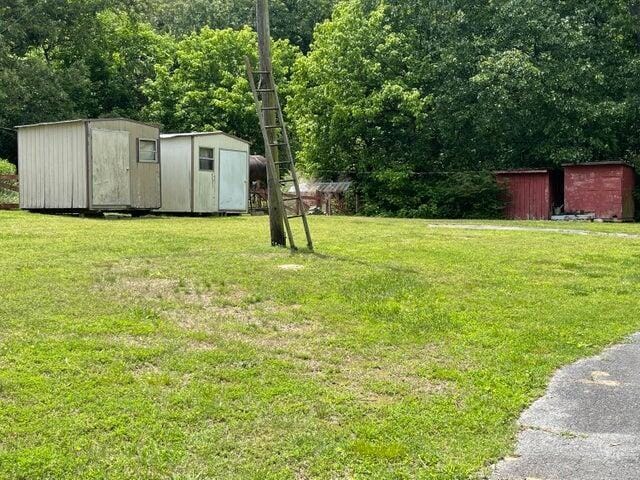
(207, 162)
(147, 151)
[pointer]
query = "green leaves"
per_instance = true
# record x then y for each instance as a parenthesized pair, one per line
(433, 87)
(204, 86)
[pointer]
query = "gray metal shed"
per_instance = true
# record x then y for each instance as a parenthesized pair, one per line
(204, 172)
(97, 165)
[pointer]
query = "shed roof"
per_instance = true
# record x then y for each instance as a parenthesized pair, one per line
(83, 120)
(324, 187)
(202, 134)
(595, 164)
(521, 172)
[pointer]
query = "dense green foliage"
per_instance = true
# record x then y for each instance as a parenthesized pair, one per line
(293, 20)
(421, 86)
(7, 168)
(401, 96)
(204, 86)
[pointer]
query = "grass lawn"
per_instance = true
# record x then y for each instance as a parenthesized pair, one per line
(176, 348)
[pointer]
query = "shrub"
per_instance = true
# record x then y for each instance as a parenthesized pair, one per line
(448, 195)
(7, 168)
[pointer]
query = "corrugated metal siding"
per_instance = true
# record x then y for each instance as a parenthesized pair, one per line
(184, 187)
(206, 185)
(528, 195)
(145, 177)
(52, 162)
(176, 175)
(605, 190)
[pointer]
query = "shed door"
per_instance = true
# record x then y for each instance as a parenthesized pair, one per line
(145, 174)
(233, 181)
(110, 172)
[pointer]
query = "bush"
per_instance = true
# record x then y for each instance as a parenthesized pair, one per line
(7, 168)
(447, 195)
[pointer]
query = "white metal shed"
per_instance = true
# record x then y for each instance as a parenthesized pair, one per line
(204, 173)
(96, 165)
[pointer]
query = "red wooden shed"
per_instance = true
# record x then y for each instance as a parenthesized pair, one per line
(604, 189)
(531, 194)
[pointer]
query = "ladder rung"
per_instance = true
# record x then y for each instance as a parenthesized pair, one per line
(262, 72)
(272, 127)
(269, 108)
(288, 199)
(295, 216)
(282, 163)
(278, 144)
(290, 180)
(263, 90)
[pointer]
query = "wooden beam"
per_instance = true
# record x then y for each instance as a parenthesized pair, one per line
(276, 215)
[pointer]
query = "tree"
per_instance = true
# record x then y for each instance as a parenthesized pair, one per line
(204, 85)
(398, 93)
(293, 20)
(30, 92)
(118, 62)
(63, 59)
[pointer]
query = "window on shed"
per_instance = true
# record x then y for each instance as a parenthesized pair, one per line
(147, 151)
(207, 162)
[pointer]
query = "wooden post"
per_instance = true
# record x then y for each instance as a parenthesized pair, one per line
(276, 215)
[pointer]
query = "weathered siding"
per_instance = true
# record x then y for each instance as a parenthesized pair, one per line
(176, 175)
(110, 179)
(529, 194)
(52, 163)
(603, 189)
(181, 166)
(145, 177)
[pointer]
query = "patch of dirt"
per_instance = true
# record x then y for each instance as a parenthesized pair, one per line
(379, 377)
(384, 379)
(291, 267)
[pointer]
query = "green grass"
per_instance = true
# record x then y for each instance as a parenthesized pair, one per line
(177, 348)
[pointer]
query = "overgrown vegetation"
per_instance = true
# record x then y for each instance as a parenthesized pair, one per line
(7, 195)
(6, 167)
(186, 348)
(377, 91)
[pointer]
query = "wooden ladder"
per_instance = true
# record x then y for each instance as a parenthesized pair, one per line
(268, 86)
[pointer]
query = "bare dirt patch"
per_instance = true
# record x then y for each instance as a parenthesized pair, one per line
(210, 315)
(291, 267)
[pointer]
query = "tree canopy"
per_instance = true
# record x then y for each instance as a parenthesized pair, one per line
(411, 99)
(204, 86)
(400, 92)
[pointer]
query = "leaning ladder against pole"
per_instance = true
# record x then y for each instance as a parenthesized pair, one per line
(273, 168)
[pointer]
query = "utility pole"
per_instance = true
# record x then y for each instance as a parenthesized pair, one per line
(276, 214)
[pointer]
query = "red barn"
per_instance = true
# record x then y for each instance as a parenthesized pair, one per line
(531, 194)
(604, 189)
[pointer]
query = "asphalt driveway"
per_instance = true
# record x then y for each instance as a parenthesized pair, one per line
(587, 426)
